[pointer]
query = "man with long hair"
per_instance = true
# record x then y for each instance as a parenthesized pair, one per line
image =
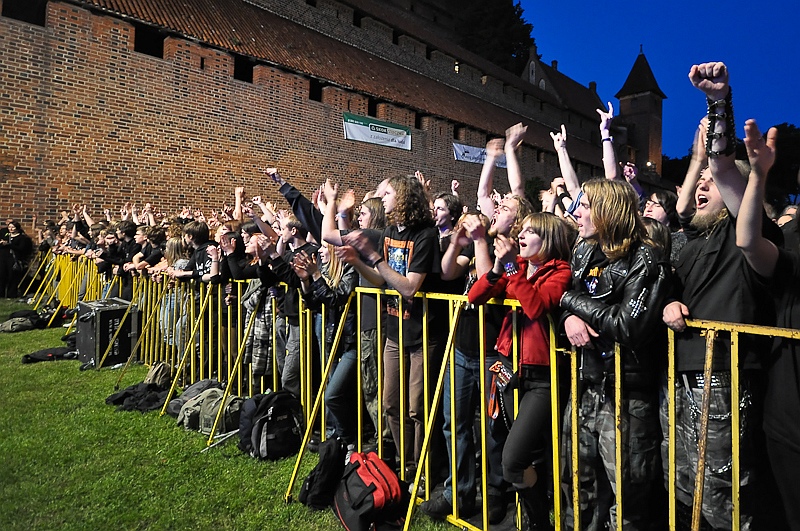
(714, 282)
(619, 284)
(408, 260)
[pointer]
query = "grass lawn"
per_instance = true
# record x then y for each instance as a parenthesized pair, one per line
(69, 461)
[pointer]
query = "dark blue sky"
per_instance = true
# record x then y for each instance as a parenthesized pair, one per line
(759, 41)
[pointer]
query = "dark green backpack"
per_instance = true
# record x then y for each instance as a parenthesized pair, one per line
(230, 417)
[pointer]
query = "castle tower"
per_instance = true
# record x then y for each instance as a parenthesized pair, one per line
(640, 109)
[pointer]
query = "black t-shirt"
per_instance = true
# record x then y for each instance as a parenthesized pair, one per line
(413, 251)
(716, 283)
(152, 254)
(200, 262)
(782, 401)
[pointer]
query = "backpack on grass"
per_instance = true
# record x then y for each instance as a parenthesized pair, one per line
(230, 416)
(189, 417)
(318, 488)
(369, 496)
(17, 324)
(175, 405)
(246, 415)
(160, 374)
(278, 426)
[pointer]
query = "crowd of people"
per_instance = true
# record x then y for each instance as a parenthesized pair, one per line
(609, 262)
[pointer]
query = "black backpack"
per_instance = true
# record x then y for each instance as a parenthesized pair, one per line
(370, 497)
(246, 422)
(278, 426)
(318, 488)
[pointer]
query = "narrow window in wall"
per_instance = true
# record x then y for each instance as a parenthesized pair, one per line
(148, 40)
(202, 63)
(357, 16)
(315, 89)
(30, 11)
(372, 107)
(243, 68)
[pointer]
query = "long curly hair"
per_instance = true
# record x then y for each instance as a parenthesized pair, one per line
(615, 215)
(412, 208)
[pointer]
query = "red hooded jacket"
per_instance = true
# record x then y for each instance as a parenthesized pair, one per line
(537, 295)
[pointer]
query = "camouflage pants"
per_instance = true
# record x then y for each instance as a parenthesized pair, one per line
(597, 460)
(717, 493)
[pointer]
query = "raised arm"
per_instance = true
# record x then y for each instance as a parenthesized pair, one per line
(330, 229)
(494, 149)
(567, 171)
(302, 208)
(609, 155)
(344, 209)
(239, 198)
(514, 136)
(147, 212)
(86, 217)
(760, 253)
(453, 264)
(698, 163)
(267, 211)
(712, 80)
(263, 227)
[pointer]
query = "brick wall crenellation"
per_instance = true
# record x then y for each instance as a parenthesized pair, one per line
(85, 119)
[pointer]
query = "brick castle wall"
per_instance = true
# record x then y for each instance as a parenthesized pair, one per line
(86, 119)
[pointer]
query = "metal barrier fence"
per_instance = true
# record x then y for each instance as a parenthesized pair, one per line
(205, 331)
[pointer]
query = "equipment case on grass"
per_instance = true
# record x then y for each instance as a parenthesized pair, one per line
(97, 323)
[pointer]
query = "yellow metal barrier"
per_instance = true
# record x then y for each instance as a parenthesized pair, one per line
(184, 326)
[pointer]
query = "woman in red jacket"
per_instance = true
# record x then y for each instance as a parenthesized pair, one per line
(535, 272)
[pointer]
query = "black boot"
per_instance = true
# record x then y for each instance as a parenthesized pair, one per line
(535, 508)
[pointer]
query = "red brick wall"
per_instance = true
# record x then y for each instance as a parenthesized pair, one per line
(85, 119)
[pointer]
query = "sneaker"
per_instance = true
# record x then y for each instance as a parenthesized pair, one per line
(420, 487)
(496, 504)
(351, 448)
(437, 508)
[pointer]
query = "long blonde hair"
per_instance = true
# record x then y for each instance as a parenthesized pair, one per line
(615, 214)
(174, 250)
(333, 276)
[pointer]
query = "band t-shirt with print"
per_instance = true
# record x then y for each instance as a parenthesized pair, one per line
(410, 251)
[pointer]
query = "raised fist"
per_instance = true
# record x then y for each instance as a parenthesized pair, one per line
(711, 78)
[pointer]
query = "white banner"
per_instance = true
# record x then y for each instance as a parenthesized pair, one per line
(372, 131)
(476, 155)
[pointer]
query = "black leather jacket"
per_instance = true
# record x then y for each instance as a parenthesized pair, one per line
(626, 307)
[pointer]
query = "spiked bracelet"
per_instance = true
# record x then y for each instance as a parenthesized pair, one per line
(721, 110)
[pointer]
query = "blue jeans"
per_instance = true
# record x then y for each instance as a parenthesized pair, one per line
(341, 397)
(467, 398)
(319, 336)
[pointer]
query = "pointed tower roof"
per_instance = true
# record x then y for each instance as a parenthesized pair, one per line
(641, 79)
